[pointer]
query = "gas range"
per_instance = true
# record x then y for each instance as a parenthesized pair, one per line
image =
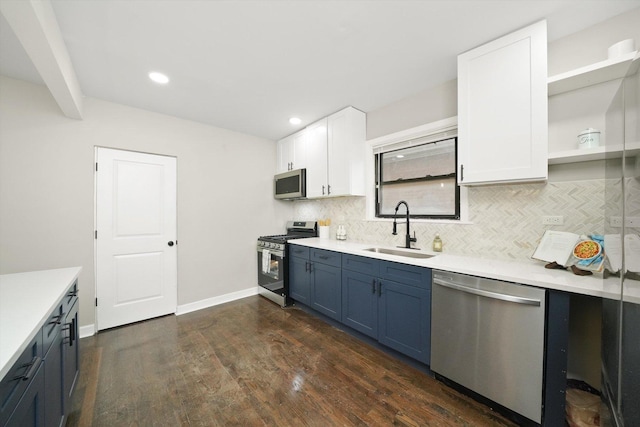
(273, 266)
(295, 230)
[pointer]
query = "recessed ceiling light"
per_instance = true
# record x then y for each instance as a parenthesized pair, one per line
(159, 77)
(295, 121)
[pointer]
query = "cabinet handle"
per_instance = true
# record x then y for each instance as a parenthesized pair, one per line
(72, 332)
(323, 257)
(57, 319)
(328, 189)
(461, 173)
(30, 370)
(323, 190)
(379, 289)
(373, 286)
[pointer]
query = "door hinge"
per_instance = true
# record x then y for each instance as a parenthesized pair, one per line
(95, 235)
(96, 302)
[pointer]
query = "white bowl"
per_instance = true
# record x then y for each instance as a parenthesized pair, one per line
(591, 255)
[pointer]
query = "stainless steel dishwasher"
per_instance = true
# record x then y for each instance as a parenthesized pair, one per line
(488, 336)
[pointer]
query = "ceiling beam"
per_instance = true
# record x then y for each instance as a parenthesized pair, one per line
(35, 25)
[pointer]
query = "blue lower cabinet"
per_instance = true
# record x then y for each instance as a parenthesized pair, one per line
(299, 279)
(360, 302)
(387, 301)
(37, 389)
(326, 290)
(390, 302)
(404, 319)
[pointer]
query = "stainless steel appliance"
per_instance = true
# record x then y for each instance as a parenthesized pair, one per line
(290, 185)
(488, 336)
(273, 266)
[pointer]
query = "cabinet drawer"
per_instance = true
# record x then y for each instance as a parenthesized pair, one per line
(326, 257)
(299, 251)
(52, 327)
(14, 383)
(407, 274)
(70, 297)
(361, 264)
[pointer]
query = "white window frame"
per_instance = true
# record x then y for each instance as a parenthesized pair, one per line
(442, 129)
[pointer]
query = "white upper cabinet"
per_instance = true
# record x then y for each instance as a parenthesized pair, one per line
(502, 109)
(335, 155)
(316, 146)
(346, 152)
(291, 152)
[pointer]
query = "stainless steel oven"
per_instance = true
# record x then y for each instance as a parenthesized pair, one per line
(273, 266)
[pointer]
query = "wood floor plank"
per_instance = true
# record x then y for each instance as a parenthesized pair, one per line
(251, 363)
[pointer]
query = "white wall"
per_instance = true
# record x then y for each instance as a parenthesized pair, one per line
(431, 105)
(47, 190)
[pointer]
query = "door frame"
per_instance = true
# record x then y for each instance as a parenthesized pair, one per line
(95, 225)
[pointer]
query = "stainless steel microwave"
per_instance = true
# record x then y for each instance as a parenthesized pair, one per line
(291, 185)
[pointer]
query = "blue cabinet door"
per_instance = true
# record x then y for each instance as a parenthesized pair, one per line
(404, 319)
(71, 354)
(326, 289)
(53, 383)
(360, 302)
(299, 279)
(30, 409)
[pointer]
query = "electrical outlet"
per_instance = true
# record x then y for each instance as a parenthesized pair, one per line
(632, 221)
(552, 220)
(615, 221)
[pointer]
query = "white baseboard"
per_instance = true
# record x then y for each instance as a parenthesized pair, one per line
(210, 302)
(87, 331)
(90, 330)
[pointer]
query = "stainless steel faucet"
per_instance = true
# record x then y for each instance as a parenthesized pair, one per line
(408, 238)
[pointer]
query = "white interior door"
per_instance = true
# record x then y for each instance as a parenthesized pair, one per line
(136, 259)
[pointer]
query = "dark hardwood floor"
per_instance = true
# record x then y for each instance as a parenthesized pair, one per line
(251, 363)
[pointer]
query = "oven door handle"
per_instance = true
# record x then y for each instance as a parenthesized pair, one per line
(277, 253)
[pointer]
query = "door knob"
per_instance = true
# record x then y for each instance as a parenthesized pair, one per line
(170, 243)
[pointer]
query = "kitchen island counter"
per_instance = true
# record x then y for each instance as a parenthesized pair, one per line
(26, 301)
(530, 273)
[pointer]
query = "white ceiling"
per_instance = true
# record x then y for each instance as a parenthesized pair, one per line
(250, 65)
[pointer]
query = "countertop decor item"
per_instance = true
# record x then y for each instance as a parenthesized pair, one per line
(621, 48)
(589, 138)
(437, 243)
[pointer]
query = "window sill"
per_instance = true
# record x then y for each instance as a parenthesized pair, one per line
(423, 221)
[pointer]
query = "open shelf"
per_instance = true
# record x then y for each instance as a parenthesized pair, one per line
(597, 153)
(599, 72)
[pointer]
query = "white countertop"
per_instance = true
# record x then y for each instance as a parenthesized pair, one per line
(528, 273)
(26, 301)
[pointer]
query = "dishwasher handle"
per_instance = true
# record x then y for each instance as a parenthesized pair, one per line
(488, 294)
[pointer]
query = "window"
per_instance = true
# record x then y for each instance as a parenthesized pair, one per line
(423, 175)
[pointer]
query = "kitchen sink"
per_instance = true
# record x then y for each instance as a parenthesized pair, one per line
(399, 253)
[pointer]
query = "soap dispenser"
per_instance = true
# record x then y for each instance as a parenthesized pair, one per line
(437, 243)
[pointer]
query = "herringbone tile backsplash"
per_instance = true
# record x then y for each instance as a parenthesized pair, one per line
(505, 220)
